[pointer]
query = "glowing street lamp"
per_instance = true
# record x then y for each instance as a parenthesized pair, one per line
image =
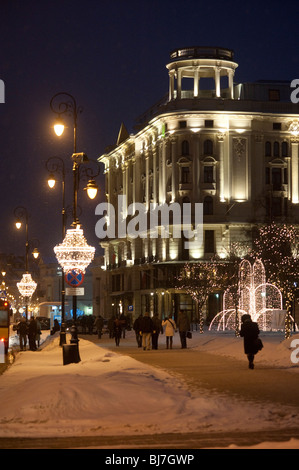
(59, 127)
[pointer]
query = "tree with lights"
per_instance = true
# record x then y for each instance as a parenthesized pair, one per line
(276, 245)
(198, 280)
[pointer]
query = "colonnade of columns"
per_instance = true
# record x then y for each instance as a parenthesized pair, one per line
(196, 75)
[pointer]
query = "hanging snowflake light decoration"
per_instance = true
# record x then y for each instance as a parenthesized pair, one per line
(74, 253)
(27, 285)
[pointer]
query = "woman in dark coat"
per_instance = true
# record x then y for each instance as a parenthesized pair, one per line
(249, 331)
(117, 329)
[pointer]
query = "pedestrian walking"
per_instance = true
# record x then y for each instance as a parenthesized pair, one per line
(32, 329)
(170, 328)
(38, 332)
(22, 330)
(123, 320)
(117, 330)
(111, 326)
(157, 329)
(137, 329)
(146, 331)
(99, 323)
(183, 325)
(249, 331)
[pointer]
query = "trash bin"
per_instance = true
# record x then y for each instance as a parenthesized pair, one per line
(70, 354)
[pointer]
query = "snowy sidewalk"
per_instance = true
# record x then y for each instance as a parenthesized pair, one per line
(110, 394)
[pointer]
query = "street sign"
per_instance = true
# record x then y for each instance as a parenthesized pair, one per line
(74, 278)
(74, 291)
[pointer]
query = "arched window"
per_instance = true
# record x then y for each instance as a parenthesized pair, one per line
(284, 149)
(185, 147)
(268, 149)
(208, 205)
(208, 147)
(276, 149)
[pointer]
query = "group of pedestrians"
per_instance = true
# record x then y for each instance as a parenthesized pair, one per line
(30, 330)
(147, 330)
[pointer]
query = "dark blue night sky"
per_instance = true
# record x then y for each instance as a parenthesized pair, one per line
(111, 56)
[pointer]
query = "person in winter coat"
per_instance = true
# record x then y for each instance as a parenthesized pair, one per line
(38, 332)
(117, 329)
(137, 329)
(249, 331)
(23, 331)
(157, 328)
(146, 328)
(170, 328)
(99, 323)
(183, 325)
(32, 329)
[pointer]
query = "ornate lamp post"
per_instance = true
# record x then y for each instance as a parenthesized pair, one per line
(26, 286)
(73, 253)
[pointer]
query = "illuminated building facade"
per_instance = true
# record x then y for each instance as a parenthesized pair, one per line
(232, 147)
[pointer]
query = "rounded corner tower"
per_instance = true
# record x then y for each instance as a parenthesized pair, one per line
(201, 62)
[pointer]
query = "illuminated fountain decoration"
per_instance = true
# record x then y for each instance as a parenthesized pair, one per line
(27, 285)
(256, 297)
(74, 253)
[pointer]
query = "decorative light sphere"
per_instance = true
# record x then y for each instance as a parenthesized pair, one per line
(74, 253)
(27, 285)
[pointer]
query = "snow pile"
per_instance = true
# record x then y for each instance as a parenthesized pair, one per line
(112, 394)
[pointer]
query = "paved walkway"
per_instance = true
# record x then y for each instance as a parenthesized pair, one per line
(217, 373)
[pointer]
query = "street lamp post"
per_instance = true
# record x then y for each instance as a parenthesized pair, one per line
(26, 286)
(56, 165)
(65, 104)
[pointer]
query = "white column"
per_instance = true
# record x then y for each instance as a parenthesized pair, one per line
(217, 82)
(164, 172)
(231, 83)
(155, 176)
(195, 92)
(147, 201)
(179, 84)
(173, 169)
(294, 168)
(171, 86)
(221, 167)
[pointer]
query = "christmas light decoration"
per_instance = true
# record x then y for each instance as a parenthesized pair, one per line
(27, 285)
(256, 297)
(277, 245)
(198, 280)
(74, 253)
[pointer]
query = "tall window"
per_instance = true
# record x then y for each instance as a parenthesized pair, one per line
(185, 174)
(284, 149)
(208, 147)
(276, 149)
(208, 176)
(185, 147)
(268, 149)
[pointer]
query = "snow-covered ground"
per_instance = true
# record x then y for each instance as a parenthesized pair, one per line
(109, 393)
